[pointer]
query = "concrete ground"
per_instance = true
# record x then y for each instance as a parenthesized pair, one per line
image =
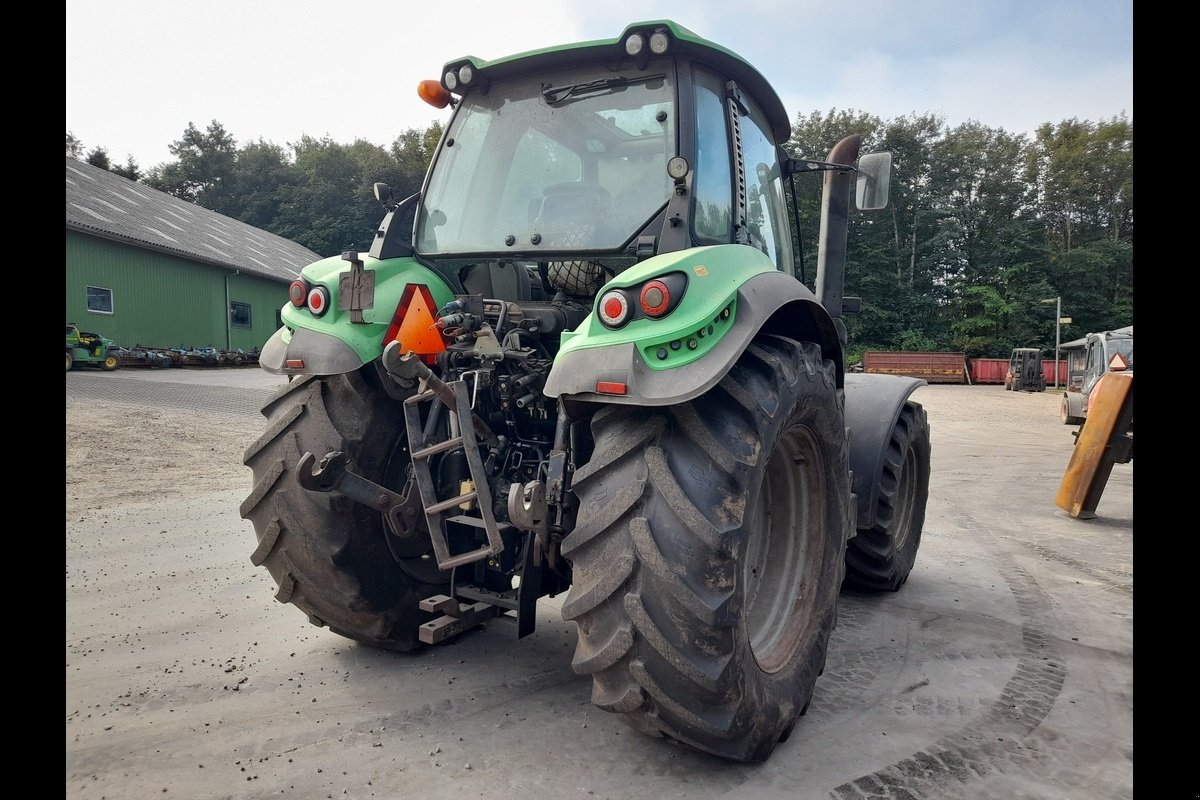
(1002, 669)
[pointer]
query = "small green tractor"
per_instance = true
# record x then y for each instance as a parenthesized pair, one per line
(84, 348)
(579, 360)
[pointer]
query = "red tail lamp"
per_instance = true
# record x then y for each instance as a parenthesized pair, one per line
(614, 309)
(318, 301)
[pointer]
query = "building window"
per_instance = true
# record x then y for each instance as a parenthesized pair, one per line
(239, 315)
(99, 300)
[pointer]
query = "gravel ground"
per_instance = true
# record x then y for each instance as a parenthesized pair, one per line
(1003, 669)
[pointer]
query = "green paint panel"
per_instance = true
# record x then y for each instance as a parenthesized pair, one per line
(392, 275)
(703, 316)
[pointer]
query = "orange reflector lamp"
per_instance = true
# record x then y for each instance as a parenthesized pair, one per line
(655, 298)
(414, 324)
(434, 93)
(295, 363)
(297, 293)
(611, 387)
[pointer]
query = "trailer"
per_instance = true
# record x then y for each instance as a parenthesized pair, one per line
(928, 366)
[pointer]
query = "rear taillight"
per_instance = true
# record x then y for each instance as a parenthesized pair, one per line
(318, 301)
(297, 293)
(655, 298)
(614, 308)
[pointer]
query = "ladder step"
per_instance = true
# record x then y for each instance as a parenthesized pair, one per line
(445, 505)
(477, 522)
(440, 447)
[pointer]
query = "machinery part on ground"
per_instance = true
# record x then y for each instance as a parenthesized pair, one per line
(1104, 439)
(880, 557)
(330, 557)
(709, 557)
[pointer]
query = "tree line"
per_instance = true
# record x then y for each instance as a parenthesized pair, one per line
(984, 232)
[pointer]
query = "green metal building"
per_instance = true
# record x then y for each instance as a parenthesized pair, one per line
(148, 269)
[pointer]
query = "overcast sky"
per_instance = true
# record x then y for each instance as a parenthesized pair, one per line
(138, 71)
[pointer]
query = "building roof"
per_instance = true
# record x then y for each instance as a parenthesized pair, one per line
(104, 204)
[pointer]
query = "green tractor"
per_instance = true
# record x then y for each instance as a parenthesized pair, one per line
(84, 348)
(579, 360)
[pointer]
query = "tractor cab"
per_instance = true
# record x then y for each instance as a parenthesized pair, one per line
(560, 169)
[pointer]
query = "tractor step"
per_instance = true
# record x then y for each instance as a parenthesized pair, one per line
(472, 505)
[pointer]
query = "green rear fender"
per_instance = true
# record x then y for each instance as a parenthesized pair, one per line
(332, 344)
(733, 293)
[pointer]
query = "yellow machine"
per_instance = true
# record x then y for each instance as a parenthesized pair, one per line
(1105, 438)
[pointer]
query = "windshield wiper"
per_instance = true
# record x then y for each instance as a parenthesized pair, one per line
(556, 94)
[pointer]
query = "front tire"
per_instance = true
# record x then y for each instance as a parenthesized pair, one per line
(331, 557)
(111, 362)
(711, 551)
(1064, 413)
(880, 558)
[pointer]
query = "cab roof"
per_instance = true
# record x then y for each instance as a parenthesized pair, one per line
(683, 42)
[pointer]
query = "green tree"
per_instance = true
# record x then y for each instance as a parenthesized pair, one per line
(325, 212)
(74, 145)
(203, 172)
(98, 157)
(129, 170)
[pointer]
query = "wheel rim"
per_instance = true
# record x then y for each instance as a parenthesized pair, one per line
(784, 555)
(902, 503)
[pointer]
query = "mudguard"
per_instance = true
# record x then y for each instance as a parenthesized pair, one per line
(331, 344)
(873, 404)
(733, 293)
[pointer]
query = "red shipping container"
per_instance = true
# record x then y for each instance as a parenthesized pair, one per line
(932, 367)
(988, 370)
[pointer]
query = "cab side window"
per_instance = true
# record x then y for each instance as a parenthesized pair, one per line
(712, 186)
(766, 208)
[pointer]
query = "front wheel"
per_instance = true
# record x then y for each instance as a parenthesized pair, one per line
(880, 557)
(711, 552)
(1064, 413)
(111, 362)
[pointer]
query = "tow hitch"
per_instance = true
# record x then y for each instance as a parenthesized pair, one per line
(400, 511)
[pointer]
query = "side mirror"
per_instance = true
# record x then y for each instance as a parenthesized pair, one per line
(874, 181)
(384, 194)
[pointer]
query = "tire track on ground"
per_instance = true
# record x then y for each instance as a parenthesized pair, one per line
(998, 738)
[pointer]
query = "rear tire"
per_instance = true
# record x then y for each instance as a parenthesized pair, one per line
(710, 553)
(880, 558)
(329, 556)
(70, 361)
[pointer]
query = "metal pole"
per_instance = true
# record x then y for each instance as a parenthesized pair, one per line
(1057, 335)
